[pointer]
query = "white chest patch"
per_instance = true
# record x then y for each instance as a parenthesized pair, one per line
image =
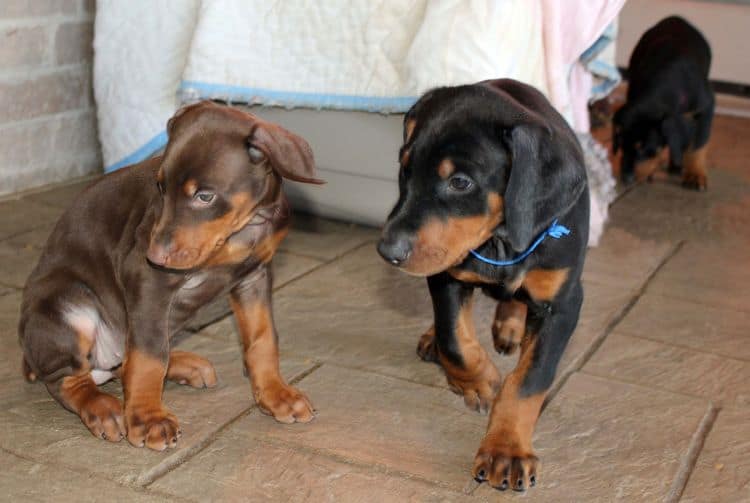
(106, 348)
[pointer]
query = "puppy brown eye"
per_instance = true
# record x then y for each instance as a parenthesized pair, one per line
(205, 197)
(460, 183)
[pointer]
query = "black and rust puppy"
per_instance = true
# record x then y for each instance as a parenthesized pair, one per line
(670, 104)
(487, 172)
(141, 250)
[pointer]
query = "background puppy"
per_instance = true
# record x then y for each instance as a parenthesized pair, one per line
(141, 250)
(490, 167)
(669, 103)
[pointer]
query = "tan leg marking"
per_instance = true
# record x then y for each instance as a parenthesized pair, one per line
(99, 411)
(149, 423)
(426, 346)
(470, 276)
(478, 380)
(506, 456)
(645, 170)
(694, 169)
(272, 394)
(543, 284)
(509, 326)
(191, 369)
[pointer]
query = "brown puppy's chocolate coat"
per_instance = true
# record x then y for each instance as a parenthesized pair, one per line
(141, 250)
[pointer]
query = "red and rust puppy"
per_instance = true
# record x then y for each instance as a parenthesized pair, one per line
(141, 250)
(490, 168)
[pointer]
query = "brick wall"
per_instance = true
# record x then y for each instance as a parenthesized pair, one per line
(47, 115)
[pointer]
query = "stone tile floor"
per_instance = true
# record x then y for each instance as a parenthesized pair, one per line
(651, 402)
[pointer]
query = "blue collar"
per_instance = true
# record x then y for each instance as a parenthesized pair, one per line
(555, 230)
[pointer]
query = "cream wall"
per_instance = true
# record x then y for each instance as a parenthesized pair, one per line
(725, 25)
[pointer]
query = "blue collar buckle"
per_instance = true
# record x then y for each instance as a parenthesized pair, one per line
(555, 230)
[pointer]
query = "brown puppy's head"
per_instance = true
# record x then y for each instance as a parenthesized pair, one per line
(492, 159)
(219, 167)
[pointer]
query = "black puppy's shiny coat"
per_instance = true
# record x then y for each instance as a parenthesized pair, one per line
(670, 103)
(489, 167)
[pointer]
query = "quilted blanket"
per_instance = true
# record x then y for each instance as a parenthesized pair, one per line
(151, 56)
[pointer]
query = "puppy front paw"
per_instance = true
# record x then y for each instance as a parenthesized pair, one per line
(695, 181)
(502, 463)
(102, 415)
(285, 403)
(156, 428)
(507, 335)
(478, 386)
(426, 346)
(509, 326)
(191, 369)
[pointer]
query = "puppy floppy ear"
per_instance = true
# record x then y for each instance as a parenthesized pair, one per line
(173, 121)
(547, 174)
(547, 177)
(289, 155)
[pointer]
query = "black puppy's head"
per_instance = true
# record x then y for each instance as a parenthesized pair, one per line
(484, 160)
(219, 167)
(641, 139)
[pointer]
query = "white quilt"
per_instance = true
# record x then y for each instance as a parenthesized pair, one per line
(151, 56)
(373, 55)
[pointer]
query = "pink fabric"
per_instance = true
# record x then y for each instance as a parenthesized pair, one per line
(570, 27)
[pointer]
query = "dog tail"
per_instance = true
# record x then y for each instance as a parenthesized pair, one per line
(28, 374)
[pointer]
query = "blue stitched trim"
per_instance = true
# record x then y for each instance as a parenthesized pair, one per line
(144, 152)
(291, 99)
(268, 97)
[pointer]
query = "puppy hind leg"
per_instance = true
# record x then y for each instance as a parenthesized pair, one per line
(58, 356)
(694, 172)
(695, 169)
(99, 411)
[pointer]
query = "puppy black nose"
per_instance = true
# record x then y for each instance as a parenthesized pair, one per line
(395, 250)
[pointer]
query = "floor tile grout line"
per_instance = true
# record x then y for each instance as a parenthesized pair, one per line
(12, 287)
(363, 465)
(147, 478)
(316, 258)
(628, 333)
(367, 370)
(384, 469)
(276, 288)
(322, 264)
(26, 230)
(691, 456)
(715, 305)
(610, 327)
(636, 384)
(23, 194)
(89, 474)
(703, 303)
(625, 191)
